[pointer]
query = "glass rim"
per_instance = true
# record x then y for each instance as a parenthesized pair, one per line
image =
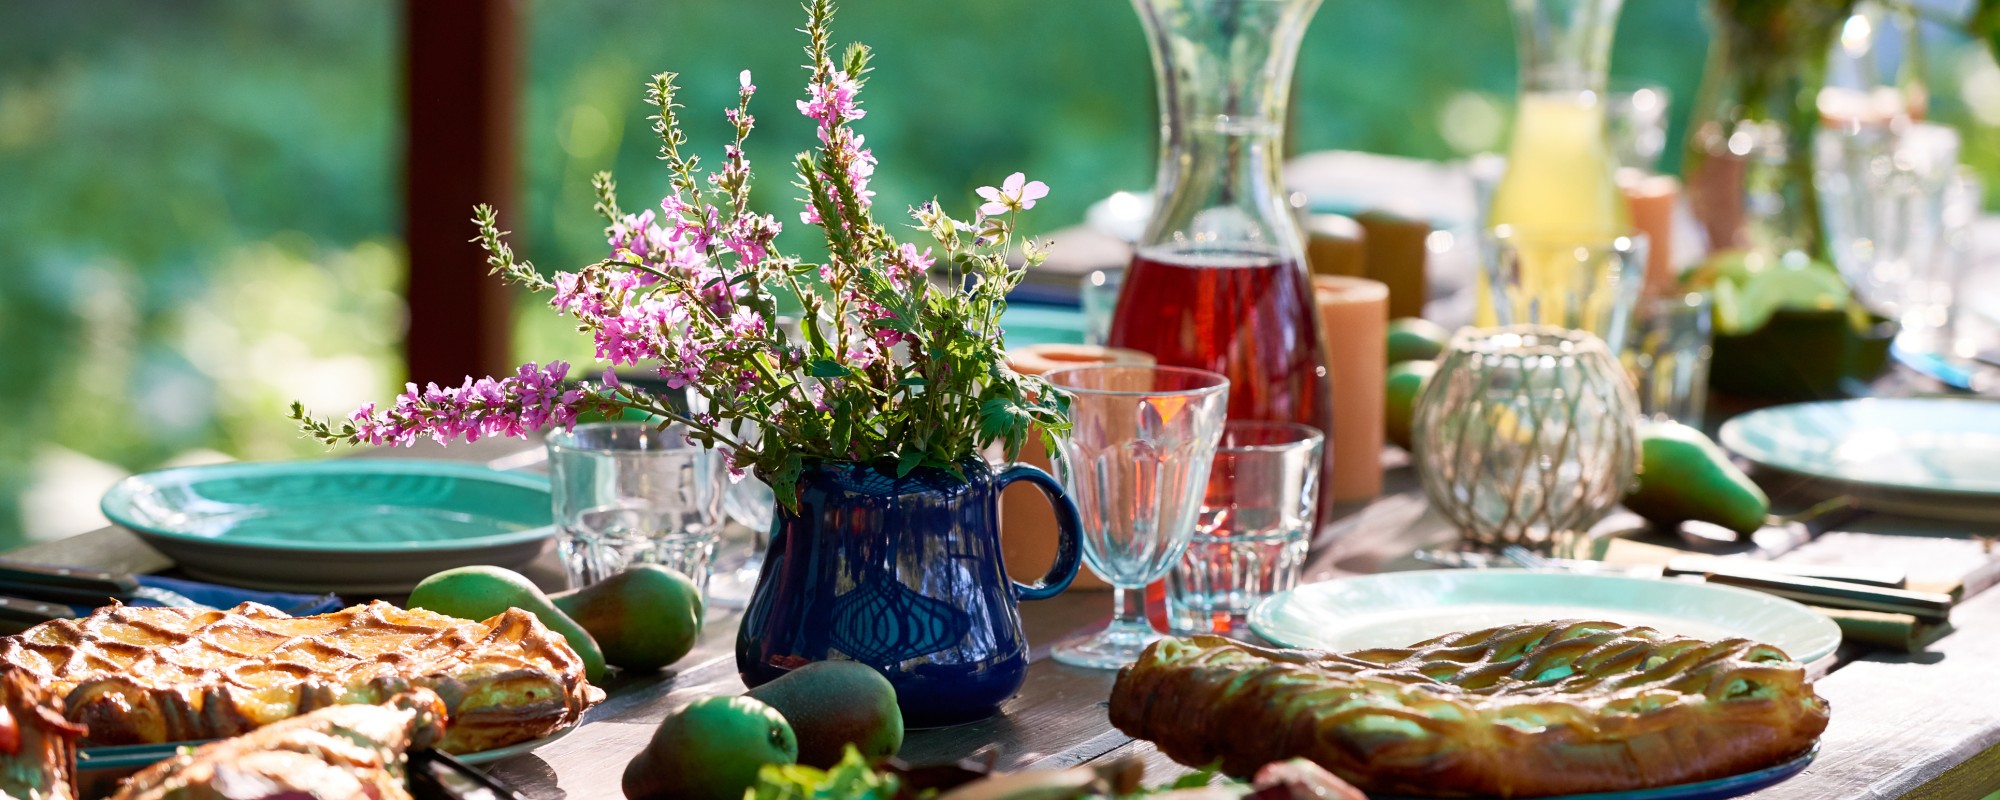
(1625, 241)
(1309, 437)
(1528, 341)
(565, 441)
(1220, 382)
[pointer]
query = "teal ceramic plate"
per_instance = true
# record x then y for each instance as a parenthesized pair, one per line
(136, 756)
(1924, 456)
(372, 526)
(1718, 789)
(1397, 609)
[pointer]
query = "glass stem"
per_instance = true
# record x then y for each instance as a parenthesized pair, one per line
(1129, 608)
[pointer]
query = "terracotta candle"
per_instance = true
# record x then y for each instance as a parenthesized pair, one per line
(1027, 525)
(1334, 245)
(1355, 315)
(1398, 251)
(1650, 199)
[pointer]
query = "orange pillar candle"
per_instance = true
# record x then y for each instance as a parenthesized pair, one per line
(1355, 314)
(1027, 525)
(1398, 251)
(1649, 201)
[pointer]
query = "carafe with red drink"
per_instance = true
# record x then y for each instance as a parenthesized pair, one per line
(1219, 279)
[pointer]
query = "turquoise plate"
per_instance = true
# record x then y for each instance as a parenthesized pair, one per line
(1398, 609)
(136, 756)
(367, 526)
(1718, 789)
(1929, 457)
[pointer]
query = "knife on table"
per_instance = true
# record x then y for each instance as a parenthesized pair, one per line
(18, 614)
(1772, 579)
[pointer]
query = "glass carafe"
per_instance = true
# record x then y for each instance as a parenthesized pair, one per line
(1219, 279)
(1561, 174)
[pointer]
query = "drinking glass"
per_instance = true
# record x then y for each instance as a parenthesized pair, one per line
(629, 493)
(1579, 280)
(1668, 359)
(752, 505)
(1635, 123)
(1884, 193)
(1526, 436)
(1099, 294)
(1256, 521)
(1136, 460)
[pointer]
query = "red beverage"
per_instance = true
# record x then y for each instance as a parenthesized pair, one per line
(1247, 314)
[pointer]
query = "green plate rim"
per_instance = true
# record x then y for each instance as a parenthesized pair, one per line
(1730, 436)
(117, 500)
(1263, 625)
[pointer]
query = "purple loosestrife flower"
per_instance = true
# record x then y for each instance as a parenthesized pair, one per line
(1017, 193)
(531, 399)
(832, 103)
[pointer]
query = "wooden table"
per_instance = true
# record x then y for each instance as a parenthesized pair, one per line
(1923, 725)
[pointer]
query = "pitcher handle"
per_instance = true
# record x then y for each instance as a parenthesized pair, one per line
(1069, 533)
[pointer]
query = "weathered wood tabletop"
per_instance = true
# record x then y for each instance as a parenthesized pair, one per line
(1923, 725)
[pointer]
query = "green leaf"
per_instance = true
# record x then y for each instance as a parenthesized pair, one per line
(910, 459)
(823, 368)
(913, 380)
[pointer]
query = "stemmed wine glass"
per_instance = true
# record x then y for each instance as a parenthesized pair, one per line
(1136, 461)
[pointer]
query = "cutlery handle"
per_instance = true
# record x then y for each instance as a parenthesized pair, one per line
(1701, 565)
(82, 580)
(1925, 606)
(19, 614)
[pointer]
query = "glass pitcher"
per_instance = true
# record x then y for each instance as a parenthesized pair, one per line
(1561, 174)
(1219, 279)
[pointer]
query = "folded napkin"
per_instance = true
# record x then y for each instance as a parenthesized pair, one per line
(1890, 631)
(219, 596)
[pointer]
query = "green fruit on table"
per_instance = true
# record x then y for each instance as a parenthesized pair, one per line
(711, 749)
(644, 617)
(1405, 383)
(1416, 339)
(1685, 476)
(832, 704)
(482, 592)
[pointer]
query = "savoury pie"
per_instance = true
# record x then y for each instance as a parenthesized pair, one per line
(150, 675)
(1514, 711)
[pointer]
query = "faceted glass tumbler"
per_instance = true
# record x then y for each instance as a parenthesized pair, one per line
(1526, 436)
(627, 493)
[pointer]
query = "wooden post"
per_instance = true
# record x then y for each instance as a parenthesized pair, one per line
(459, 94)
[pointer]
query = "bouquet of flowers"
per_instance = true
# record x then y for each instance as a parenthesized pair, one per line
(898, 355)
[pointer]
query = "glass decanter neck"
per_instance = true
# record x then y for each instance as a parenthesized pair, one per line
(1224, 72)
(1564, 45)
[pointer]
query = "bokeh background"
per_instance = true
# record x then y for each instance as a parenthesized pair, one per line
(199, 200)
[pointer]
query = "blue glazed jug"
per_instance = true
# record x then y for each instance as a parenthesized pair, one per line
(904, 575)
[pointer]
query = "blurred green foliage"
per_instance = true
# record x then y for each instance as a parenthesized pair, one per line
(200, 215)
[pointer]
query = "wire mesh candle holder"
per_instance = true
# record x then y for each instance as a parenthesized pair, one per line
(1526, 436)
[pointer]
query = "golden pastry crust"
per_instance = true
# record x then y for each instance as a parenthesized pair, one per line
(37, 746)
(333, 753)
(151, 675)
(1516, 711)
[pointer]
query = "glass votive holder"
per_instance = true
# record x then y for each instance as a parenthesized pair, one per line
(629, 493)
(1526, 436)
(1668, 357)
(1255, 524)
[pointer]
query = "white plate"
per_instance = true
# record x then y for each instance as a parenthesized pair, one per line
(1402, 608)
(1932, 445)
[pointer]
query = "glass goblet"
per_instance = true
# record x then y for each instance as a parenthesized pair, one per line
(1136, 460)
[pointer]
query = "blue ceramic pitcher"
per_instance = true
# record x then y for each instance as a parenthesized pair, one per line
(904, 575)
